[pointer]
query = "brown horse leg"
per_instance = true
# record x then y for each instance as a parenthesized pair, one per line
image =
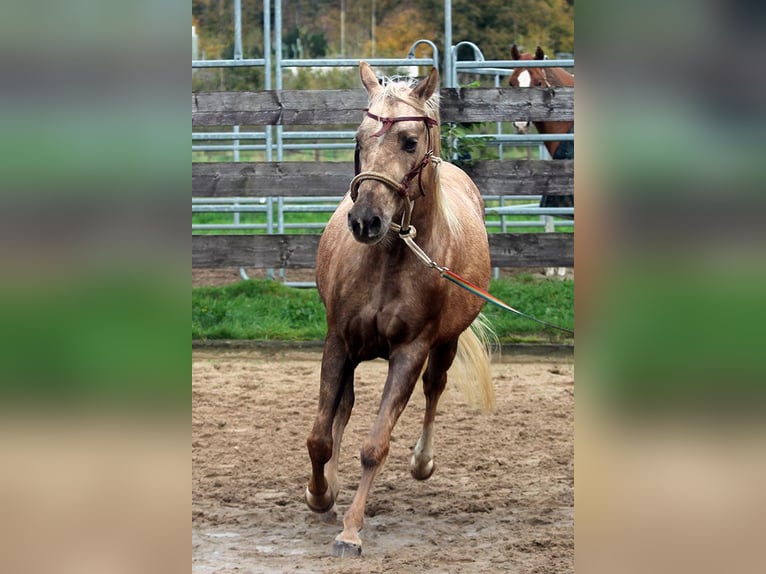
(339, 425)
(403, 372)
(434, 382)
(335, 402)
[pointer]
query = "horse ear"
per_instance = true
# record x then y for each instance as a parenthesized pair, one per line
(427, 86)
(539, 54)
(369, 79)
(515, 54)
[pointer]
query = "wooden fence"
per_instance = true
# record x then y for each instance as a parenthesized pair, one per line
(346, 107)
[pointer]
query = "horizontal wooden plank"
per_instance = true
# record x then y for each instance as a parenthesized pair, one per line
(532, 249)
(265, 179)
(505, 177)
(299, 251)
(507, 104)
(333, 107)
(284, 107)
(523, 176)
(256, 251)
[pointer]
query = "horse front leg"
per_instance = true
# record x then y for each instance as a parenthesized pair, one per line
(403, 372)
(336, 399)
(434, 382)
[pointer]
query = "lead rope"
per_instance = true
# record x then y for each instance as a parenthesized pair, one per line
(409, 239)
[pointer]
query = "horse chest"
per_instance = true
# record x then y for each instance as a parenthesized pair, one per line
(374, 326)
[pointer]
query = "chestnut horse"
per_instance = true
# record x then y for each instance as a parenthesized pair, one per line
(383, 303)
(548, 78)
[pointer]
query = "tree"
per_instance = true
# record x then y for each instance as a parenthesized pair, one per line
(398, 31)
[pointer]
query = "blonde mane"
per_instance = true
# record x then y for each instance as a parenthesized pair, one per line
(399, 90)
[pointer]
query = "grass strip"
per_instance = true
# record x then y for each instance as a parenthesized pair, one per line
(267, 310)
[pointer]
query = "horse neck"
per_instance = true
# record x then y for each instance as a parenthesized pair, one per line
(560, 78)
(426, 208)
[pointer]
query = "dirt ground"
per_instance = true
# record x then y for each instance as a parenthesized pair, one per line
(501, 498)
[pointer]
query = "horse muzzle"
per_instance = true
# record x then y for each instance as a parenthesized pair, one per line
(367, 225)
(521, 127)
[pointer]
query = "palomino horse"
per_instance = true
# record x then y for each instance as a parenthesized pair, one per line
(382, 302)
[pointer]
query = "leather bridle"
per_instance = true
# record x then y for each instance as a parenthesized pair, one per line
(402, 186)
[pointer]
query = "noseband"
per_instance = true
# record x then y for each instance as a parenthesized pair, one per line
(399, 187)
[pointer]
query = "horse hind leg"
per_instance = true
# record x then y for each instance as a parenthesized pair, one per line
(336, 399)
(434, 381)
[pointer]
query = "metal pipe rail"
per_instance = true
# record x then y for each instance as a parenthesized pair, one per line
(244, 63)
(511, 64)
(265, 147)
(240, 206)
(354, 62)
(491, 139)
(203, 136)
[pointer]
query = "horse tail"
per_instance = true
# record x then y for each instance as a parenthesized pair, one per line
(470, 371)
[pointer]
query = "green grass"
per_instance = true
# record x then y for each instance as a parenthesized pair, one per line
(550, 300)
(267, 310)
(257, 309)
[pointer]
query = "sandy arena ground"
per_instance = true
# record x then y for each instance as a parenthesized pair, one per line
(501, 498)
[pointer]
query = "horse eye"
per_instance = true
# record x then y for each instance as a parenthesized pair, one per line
(410, 145)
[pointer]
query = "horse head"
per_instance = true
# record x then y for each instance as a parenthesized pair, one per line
(527, 77)
(396, 142)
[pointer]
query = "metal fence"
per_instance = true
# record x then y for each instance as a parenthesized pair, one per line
(273, 141)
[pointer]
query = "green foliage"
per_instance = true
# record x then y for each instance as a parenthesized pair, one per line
(267, 310)
(321, 79)
(461, 150)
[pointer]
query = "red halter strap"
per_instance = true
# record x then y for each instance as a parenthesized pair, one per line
(388, 122)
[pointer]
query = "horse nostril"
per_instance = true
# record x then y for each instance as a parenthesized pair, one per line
(374, 227)
(355, 225)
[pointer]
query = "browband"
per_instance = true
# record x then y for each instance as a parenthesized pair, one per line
(388, 122)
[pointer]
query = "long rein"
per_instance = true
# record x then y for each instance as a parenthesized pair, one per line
(407, 232)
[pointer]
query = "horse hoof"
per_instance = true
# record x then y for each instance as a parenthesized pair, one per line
(343, 549)
(320, 504)
(422, 472)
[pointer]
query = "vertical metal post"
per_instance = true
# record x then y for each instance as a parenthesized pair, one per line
(270, 226)
(499, 124)
(267, 65)
(278, 72)
(503, 222)
(342, 29)
(278, 64)
(235, 144)
(549, 228)
(237, 56)
(237, 29)
(449, 80)
(268, 130)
